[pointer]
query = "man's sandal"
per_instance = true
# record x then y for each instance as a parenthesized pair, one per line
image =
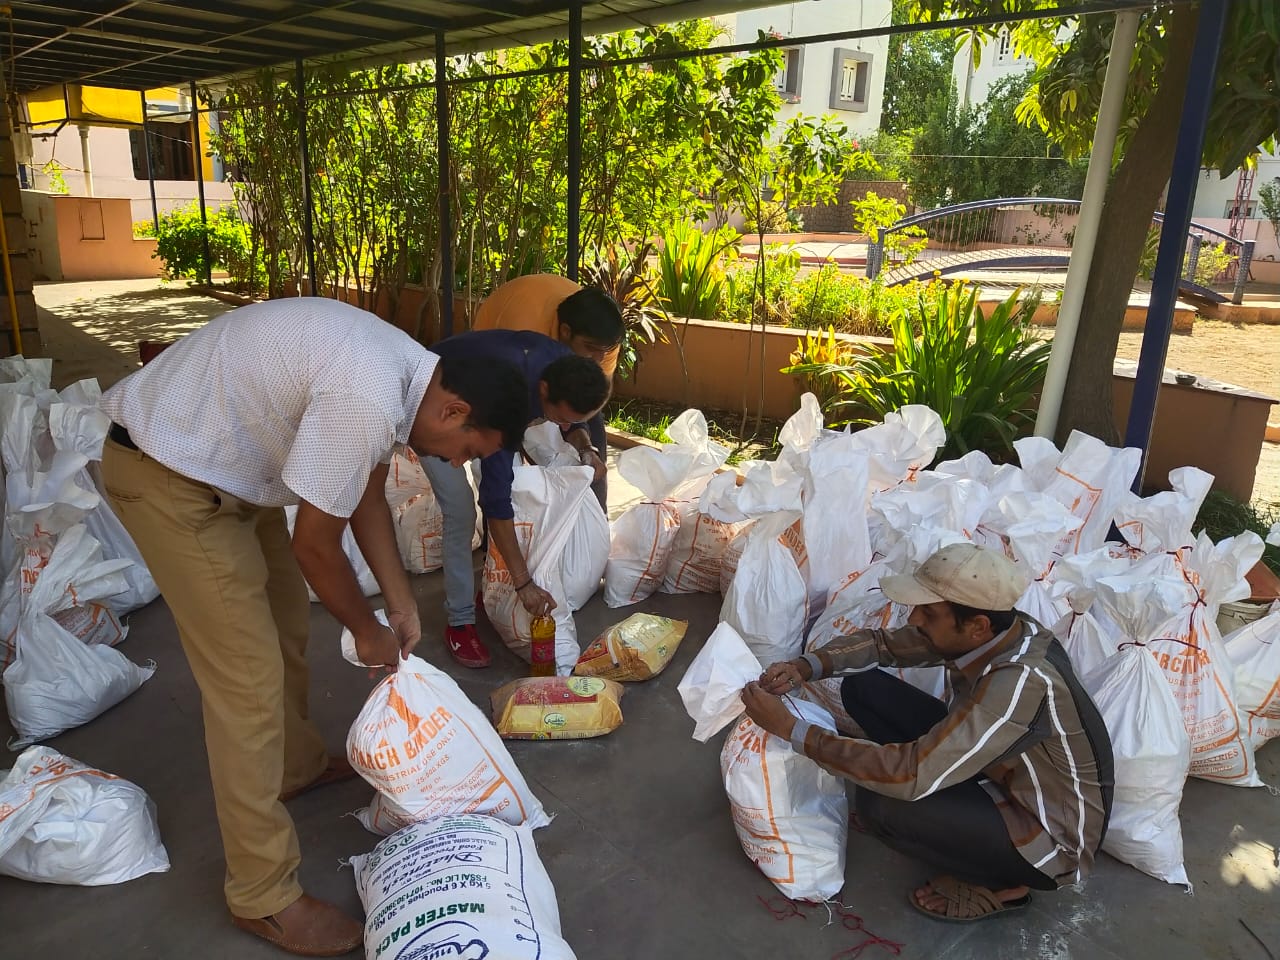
(967, 902)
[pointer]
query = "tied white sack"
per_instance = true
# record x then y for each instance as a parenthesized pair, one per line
(1152, 756)
(1254, 651)
(1033, 525)
(359, 566)
(55, 681)
(1163, 520)
(999, 479)
(791, 815)
(702, 543)
(711, 688)
(768, 600)
(429, 751)
(549, 504)
(587, 550)
(78, 424)
(643, 537)
(64, 822)
(835, 514)
(419, 521)
(1165, 611)
(902, 445)
(1087, 477)
(933, 503)
(462, 888)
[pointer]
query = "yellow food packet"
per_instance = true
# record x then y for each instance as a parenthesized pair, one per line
(557, 708)
(638, 648)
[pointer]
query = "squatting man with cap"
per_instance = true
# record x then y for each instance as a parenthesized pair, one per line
(297, 401)
(1004, 787)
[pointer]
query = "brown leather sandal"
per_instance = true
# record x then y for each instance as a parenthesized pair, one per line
(339, 768)
(967, 902)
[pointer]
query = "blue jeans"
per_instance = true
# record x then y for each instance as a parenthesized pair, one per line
(458, 504)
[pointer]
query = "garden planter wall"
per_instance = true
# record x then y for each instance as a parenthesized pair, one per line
(1217, 427)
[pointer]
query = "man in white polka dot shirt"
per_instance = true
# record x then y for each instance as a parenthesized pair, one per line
(289, 401)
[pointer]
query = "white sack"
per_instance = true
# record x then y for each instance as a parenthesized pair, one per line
(459, 888)
(791, 816)
(419, 521)
(904, 444)
(364, 576)
(768, 600)
(1152, 755)
(549, 504)
(835, 514)
(1254, 651)
(64, 822)
(430, 751)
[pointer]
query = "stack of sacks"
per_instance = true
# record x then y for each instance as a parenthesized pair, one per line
(1185, 580)
(563, 535)
(645, 552)
(54, 680)
(418, 518)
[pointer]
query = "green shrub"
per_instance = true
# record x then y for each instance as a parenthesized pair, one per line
(180, 245)
(781, 265)
(691, 270)
(981, 372)
(1222, 515)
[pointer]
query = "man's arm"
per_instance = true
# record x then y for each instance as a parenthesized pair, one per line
(496, 474)
(317, 546)
(375, 534)
(859, 651)
(579, 438)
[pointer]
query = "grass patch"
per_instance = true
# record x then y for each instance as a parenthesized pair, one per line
(1222, 515)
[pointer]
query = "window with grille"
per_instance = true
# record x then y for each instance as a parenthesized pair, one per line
(850, 80)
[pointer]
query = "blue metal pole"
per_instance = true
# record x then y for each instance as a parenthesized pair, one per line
(1177, 221)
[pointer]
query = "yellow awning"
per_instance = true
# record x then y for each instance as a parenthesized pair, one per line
(96, 106)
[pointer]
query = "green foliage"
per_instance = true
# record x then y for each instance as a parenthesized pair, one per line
(816, 352)
(691, 270)
(625, 277)
(57, 182)
(873, 212)
(635, 423)
(769, 303)
(1212, 261)
(917, 65)
(980, 152)
(1269, 200)
(980, 370)
(144, 229)
(888, 151)
(180, 245)
(1222, 515)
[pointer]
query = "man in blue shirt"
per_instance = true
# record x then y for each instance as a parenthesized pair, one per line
(566, 389)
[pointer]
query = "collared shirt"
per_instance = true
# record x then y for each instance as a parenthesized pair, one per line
(530, 353)
(1017, 718)
(281, 400)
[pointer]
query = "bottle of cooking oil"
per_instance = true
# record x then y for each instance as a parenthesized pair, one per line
(542, 647)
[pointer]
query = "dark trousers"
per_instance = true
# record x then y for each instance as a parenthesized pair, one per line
(958, 830)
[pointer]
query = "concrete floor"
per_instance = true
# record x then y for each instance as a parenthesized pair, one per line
(642, 851)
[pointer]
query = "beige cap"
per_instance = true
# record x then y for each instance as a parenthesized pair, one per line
(963, 573)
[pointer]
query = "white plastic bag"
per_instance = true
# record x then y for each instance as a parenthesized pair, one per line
(768, 600)
(791, 815)
(549, 503)
(835, 514)
(1254, 651)
(711, 687)
(64, 822)
(364, 576)
(55, 681)
(904, 444)
(429, 751)
(1152, 755)
(459, 888)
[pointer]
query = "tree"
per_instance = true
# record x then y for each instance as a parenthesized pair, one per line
(981, 152)
(1063, 100)
(919, 65)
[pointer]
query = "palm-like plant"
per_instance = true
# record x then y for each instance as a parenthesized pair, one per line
(982, 372)
(625, 276)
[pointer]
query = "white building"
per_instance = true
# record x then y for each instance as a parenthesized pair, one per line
(844, 79)
(976, 72)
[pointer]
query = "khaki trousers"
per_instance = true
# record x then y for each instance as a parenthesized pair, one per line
(227, 571)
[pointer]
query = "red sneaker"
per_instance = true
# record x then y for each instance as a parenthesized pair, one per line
(465, 646)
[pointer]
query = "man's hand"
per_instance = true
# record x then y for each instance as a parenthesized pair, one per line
(785, 677)
(379, 647)
(590, 458)
(768, 711)
(537, 601)
(407, 627)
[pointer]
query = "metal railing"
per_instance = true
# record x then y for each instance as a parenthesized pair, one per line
(982, 222)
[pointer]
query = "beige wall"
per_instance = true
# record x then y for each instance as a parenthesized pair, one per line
(81, 238)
